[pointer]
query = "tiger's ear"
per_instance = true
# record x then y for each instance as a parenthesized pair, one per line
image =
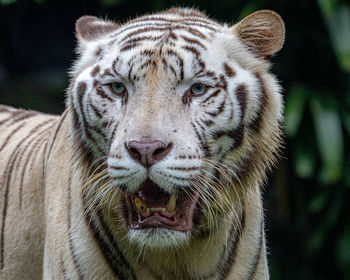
(89, 28)
(262, 32)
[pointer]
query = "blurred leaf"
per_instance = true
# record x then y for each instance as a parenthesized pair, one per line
(320, 232)
(40, 1)
(304, 163)
(295, 104)
(7, 2)
(249, 8)
(338, 24)
(343, 252)
(318, 202)
(347, 175)
(329, 136)
(111, 3)
(346, 117)
(327, 6)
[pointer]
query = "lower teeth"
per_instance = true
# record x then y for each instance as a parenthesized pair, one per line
(156, 209)
(142, 205)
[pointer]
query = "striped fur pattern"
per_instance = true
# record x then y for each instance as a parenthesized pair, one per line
(178, 77)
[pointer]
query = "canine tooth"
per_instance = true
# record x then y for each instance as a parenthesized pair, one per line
(171, 203)
(140, 204)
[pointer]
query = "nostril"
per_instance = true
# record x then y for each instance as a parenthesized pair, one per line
(158, 151)
(134, 153)
(161, 152)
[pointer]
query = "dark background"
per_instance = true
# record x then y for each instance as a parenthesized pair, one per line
(307, 198)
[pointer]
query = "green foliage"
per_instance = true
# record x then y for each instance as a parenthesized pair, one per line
(110, 3)
(337, 17)
(7, 2)
(318, 129)
(329, 137)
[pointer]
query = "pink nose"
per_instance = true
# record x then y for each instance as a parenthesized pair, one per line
(148, 153)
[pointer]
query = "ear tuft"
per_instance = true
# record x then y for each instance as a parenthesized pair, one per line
(89, 28)
(262, 32)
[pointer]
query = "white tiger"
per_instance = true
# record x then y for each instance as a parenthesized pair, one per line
(154, 171)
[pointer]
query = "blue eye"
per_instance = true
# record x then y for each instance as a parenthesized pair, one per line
(118, 88)
(198, 88)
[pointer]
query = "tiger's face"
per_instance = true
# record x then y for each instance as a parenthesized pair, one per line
(173, 102)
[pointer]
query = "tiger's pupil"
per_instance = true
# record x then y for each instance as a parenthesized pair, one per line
(198, 88)
(118, 88)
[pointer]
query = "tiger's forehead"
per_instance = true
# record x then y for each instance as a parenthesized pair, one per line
(172, 41)
(165, 25)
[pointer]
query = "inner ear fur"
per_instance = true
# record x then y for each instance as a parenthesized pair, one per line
(89, 28)
(262, 32)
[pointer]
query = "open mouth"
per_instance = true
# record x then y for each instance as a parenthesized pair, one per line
(150, 207)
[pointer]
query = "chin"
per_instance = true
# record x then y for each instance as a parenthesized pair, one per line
(158, 238)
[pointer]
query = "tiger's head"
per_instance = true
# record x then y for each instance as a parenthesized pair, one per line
(184, 114)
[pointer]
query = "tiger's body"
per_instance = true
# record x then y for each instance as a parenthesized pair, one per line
(154, 170)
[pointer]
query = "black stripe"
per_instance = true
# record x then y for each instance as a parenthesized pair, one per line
(237, 232)
(4, 121)
(97, 113)
(237, 135)
(187, 19)
(193, 31)
(184, 168)
(192, 49)
(12, 133)
(144, 29)
(197, 24)
(22, 115)
(7, 176)
(219, 110)
(257, 257)
(71, 246)
(4, 109)
(179, 61)
(95, 71)
(108, 245)
(214, 94)
(118, 168)
(202, 141)
(64, 115)
(133, 42)
(242, 94)
(63, 270)
(255, 125)
(228, 70)
(129, 47)
(81, 88)
(107, 72)
(193, 41)
(111, 139)
(99, 91)
(13, 114)
(32, 138)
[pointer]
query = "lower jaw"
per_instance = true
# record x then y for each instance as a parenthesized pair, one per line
(159, 238)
